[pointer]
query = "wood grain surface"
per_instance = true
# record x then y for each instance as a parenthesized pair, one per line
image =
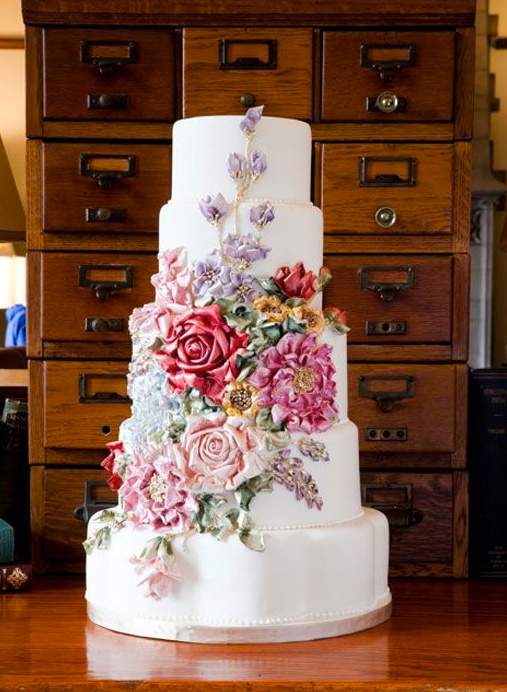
(443, 636)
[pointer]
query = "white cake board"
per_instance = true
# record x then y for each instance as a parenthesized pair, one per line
(206, 634)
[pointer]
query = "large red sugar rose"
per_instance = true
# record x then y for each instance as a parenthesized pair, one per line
(296, 282)
(200, 350)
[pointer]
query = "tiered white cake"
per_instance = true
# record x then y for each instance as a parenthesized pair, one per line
(239, 515)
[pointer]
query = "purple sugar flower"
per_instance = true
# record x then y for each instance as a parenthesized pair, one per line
(236, 166)
(257, 163)
(212, 277)
(213, 208)
(296, 381)
(245, 247)
(252, 117)
(262, 214)
(245, 287)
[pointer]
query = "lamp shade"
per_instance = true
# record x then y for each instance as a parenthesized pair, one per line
(12, 216)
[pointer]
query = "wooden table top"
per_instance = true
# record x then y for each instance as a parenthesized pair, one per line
(444, 636)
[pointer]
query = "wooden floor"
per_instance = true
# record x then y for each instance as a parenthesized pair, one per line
(443, 636)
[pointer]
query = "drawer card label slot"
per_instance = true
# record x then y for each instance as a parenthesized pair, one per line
(391, 388)
(246, 54)
(106, 169)
(387, 171)
(89, 392)
(108, 56)
(104, 279)
(387, 59)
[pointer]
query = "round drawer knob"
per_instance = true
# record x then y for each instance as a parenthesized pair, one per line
(247, 100)
(99, 325)
(385, 217)
(103, 214)
(106, 100)
(387, 102)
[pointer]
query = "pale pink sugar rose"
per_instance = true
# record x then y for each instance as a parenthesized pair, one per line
(155, 492)
(296, 381)
(174, 279)
(218, 452)
(153, 320)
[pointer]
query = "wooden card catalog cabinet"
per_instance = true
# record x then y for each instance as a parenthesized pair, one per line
(388, 91)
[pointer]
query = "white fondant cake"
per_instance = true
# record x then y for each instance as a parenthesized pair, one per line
(239, 515)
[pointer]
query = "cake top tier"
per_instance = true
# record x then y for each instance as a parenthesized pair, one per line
(202, 149)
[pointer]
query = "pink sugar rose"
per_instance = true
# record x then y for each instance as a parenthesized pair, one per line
(296, 282)
(174, 279)
(111, 464)
(295, 380)
(200, 351)
(155, 492)
(152, 320)
(219, 453)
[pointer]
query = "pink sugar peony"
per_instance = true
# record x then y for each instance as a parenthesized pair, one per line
(296, 282)
(111, 464)
(200, 351)
(295, 380)
(174, 279)
(155, 492)
(220, 453)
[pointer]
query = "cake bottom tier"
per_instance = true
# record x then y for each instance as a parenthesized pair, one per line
(307, 584)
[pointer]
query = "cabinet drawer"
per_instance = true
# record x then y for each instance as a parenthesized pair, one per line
(85, 403)
(422, 509)
(406, 299)
(100, 291)
(395, 189)
(227, 70)
(108, 74)
(380, 76)
(57, 533)
(404, 408)
(104, 188)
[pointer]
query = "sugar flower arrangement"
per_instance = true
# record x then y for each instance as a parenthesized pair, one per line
(229, 380)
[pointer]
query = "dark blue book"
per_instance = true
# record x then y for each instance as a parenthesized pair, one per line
(487, 456)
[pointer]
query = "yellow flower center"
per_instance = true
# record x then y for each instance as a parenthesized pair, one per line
(303, 381)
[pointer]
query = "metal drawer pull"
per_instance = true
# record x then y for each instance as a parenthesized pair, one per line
(92, 276)
(388, 67)
(107, 102)
(385, 217)
(387, 179)
(395, 501)
(101, 325)
(385, 398)
(100, 397)
(106, 169)
(105, 215)
(247, 62)
(386, 102)
(108, 56)
(386, 435)
(92, 501)
(385, 327)
(387, 289)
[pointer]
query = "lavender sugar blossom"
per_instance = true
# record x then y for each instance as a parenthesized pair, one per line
(262, 214)
(245, 247)
(213, 208)
(252, 117)
(236, 166)
(258, 163)
(213, 277)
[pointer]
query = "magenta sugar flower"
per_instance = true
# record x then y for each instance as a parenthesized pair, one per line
(296, 381)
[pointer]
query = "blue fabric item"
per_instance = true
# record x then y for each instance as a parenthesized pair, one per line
(15, 333)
